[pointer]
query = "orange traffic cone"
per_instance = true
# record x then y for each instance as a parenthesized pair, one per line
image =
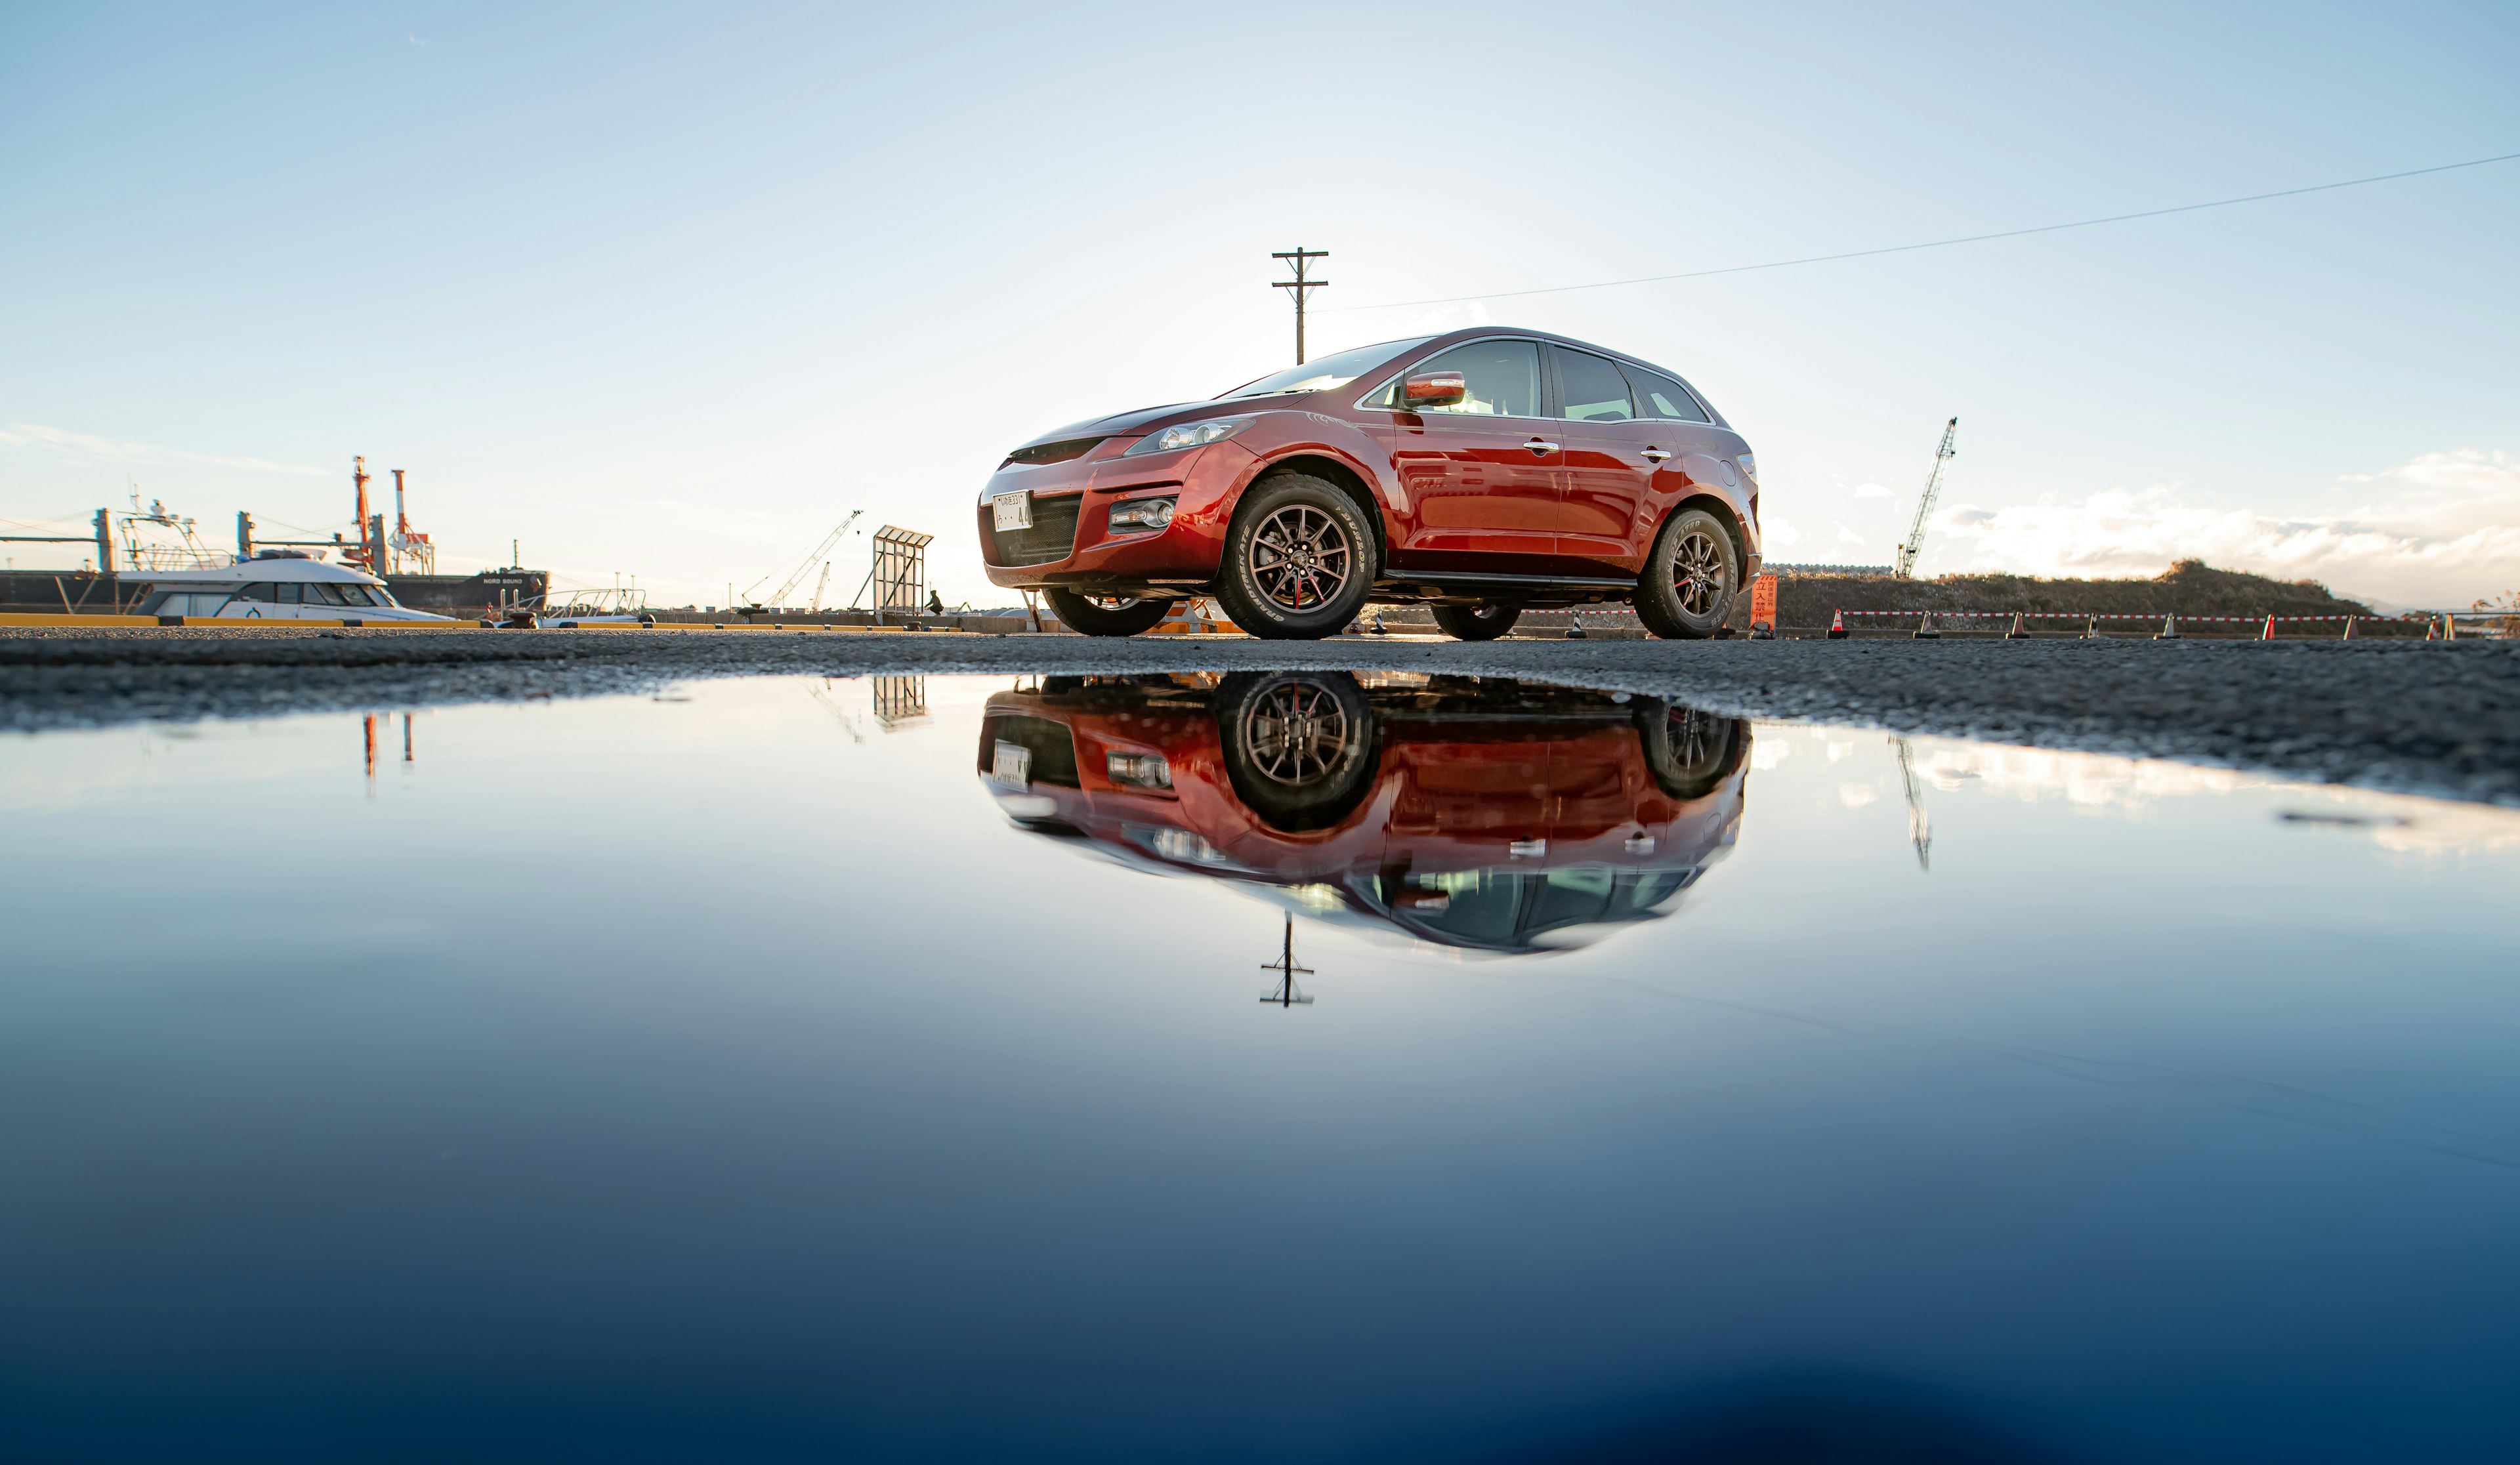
(2018, 632)
(2268, 633)
(1837, 625)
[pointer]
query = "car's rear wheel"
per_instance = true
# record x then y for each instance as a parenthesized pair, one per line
(1104, 615)
(1476, 622)
(1690, 580)
(1300, 559)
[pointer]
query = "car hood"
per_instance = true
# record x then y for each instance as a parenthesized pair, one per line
(1137, 420)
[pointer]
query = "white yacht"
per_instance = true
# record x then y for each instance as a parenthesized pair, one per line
(277, 585)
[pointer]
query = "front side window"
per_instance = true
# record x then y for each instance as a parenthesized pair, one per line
(328, 594)
(1665, 398)
(354, 595)
(1327, 373)
(1593, 388)
(1502, 376)
(261, 589)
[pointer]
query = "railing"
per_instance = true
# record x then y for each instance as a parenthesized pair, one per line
(2438, 625)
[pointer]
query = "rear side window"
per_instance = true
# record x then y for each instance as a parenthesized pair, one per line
(1664, 398)
(1503, 376)
(1593, 388)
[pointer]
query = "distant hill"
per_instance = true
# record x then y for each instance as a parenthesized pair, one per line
(2191, 587)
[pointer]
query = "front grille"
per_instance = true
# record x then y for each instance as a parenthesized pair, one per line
(1052, 745)
(1051, 537)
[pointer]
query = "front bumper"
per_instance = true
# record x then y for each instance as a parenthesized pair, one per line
(1202, 483)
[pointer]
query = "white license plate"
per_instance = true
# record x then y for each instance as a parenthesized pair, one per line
(1014, 511)
(1013, 766)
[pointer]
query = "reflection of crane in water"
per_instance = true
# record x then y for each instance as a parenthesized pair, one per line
(1286, 996)
(1919, 828)
(831, 704)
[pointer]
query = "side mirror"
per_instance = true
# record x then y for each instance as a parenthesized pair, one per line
(1434, 390)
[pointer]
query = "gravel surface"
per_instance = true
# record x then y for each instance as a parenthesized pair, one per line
(2434, 718)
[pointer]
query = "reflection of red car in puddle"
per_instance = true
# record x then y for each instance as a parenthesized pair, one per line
(1472, 811)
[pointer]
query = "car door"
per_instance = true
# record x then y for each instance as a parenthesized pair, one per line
(1694, 449)
(1609, 463)
(1481, 473)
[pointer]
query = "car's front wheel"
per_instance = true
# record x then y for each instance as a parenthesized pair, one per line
(1299, 747)
(1475, 622)
(1105, 615)
(1690, 580)
(1300, 559)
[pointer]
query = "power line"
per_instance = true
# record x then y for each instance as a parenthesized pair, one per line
(1939, 244)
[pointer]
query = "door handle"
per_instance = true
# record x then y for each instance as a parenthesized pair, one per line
(1541, 447)
(1656, 455)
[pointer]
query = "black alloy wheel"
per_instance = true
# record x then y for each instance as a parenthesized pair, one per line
(1298, 747)
(1105, 615)
(1300, 559)
(1690, 753)
(1483, 622)
(1688, 583)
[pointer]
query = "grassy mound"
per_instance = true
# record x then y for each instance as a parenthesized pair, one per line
(2191, 587)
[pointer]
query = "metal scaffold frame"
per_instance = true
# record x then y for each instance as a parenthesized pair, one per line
(899, 577)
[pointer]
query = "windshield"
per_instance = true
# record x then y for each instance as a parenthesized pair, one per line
(1327, 373)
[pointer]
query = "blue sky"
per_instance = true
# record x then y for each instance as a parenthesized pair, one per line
(667, 290)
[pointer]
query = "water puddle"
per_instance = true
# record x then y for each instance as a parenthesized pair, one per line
(1264, 1066)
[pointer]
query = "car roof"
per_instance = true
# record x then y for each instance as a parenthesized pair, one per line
(1453, 339)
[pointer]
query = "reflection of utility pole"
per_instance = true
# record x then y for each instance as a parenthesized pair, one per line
(1919, 829)
(1284, 966)
(406, 738)
(1302, 287)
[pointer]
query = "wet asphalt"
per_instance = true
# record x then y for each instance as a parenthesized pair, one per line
(2433, 718)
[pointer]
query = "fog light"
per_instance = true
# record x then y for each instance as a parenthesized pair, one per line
(1142, 513)
(1139, 771)
(1188, 848)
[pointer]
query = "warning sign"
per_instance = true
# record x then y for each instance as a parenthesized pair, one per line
(1763, 604)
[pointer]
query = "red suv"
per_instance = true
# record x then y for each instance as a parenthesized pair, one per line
(1477, 472)
(1473, 812)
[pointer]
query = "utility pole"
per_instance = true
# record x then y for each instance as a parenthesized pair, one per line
(1915, 545)
(1287, 994)
(1302, 287)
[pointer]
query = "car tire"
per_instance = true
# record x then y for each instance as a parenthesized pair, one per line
(1299, 747)
(1689, 752)
(1300, 559)
(1476, 622)
(1691, 578)
(1105, 615)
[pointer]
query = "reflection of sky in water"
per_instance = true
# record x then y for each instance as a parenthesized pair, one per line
(730, 1077)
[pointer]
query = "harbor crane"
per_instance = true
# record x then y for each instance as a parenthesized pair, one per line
(821, 554)
(1908, 553)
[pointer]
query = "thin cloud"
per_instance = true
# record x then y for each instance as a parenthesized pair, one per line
(35, 435)
(2446, 531)
(1871, 491)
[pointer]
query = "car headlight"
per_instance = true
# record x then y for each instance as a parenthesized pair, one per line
(1749, 465)
(1188, 435)
(1142, 513)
